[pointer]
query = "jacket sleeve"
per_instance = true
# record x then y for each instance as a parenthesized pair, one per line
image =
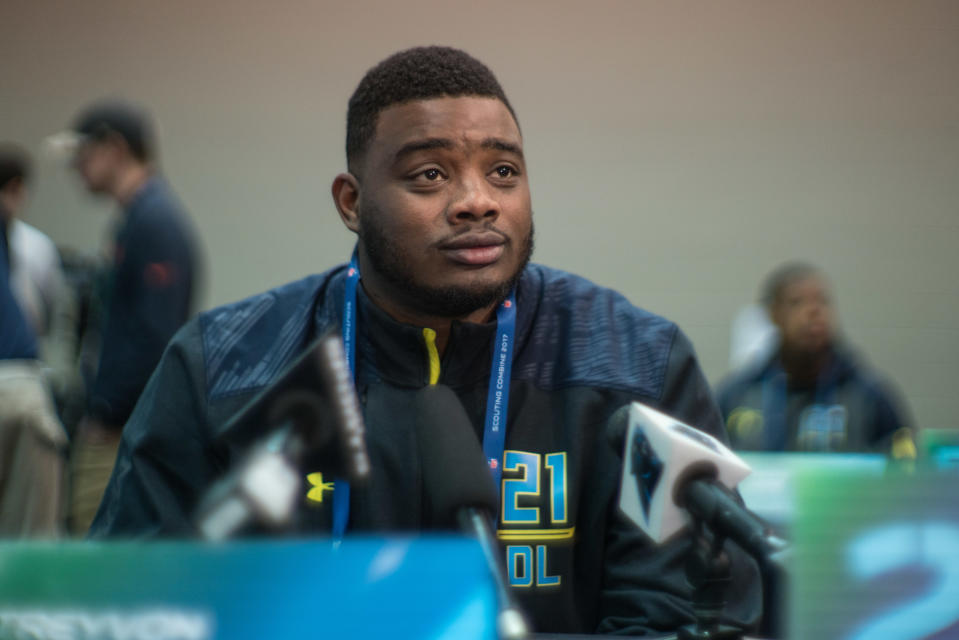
(165, 459)
(893, 430)
(151, 299)
(645, 588)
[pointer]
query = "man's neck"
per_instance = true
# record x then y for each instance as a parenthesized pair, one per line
(128, 182)
(406, 314)
(804, 368)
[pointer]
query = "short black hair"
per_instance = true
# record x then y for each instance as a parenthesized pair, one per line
(14, 164)
(783, 276)
(114, 116)
(420, 73)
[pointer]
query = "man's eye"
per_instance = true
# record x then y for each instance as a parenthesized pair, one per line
(505, 171)
(432, 174)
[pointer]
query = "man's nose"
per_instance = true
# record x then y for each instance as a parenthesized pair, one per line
(474, 200)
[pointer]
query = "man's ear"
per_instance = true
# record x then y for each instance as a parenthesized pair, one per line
(775, 311)
(346, 197)
(12, 196)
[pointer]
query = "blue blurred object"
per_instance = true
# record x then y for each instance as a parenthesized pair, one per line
(939, 449)
(435, 587)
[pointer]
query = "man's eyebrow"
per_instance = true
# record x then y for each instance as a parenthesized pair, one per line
(423, 145)
(502, 145)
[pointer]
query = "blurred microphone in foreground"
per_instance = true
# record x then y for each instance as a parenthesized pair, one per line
(312, 419)
(675, 476)
(459, 490)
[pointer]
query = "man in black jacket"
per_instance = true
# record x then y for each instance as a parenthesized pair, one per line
(440, 290)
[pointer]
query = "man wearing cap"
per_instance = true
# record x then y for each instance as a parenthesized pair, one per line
(151, 289)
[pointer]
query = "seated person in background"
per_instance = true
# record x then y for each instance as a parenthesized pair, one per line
(811, 393)
(437, 193)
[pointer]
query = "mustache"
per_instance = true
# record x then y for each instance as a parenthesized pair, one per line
(484, 231)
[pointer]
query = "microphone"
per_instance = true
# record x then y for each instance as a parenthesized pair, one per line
(459, 489)
(672, 471)
(312, 418)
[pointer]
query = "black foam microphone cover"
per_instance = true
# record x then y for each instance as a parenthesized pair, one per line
(455, 475)
(616, 428)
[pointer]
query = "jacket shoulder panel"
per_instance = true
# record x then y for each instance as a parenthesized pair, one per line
(584, 334)
(246, 344)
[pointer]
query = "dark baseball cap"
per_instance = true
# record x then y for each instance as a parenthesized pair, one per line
(102, 119)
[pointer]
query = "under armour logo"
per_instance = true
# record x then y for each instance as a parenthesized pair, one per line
(315, 494)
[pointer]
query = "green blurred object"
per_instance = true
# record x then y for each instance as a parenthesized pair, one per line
(939, 449)
(770, 490)
(875, 557)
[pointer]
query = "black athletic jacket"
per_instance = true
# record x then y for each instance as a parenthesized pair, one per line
(581, 352)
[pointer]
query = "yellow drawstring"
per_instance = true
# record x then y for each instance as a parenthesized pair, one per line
(434, 356)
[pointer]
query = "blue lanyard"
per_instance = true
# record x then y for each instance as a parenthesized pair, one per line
(341, 488)
(497, 398)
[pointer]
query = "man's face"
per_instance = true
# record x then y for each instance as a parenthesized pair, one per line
(804, 314)
(95, 161)
(13, 196)
(445, 220)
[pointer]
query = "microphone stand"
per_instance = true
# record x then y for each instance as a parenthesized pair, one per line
(708, 572)
(510, 622)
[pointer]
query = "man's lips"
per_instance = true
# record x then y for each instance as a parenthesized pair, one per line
(475, 249)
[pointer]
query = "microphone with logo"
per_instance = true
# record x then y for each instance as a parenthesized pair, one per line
(311, 418)
(676, 476)
(459, 492)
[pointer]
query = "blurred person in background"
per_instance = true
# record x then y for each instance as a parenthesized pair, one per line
(37, 281)
(35, 273)
(151, 289)
(811, 393)
(32, 440)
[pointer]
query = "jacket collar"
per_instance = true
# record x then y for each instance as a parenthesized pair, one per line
(841, 366)
(396, 352)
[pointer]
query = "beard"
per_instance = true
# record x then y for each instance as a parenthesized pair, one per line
(392, 264)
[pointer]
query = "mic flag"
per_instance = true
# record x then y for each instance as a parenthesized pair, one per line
(660, 455)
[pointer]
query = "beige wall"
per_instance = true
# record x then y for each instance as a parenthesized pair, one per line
(678, 150)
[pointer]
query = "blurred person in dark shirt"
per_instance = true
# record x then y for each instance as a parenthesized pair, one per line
(152, 287)
(812, 393)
